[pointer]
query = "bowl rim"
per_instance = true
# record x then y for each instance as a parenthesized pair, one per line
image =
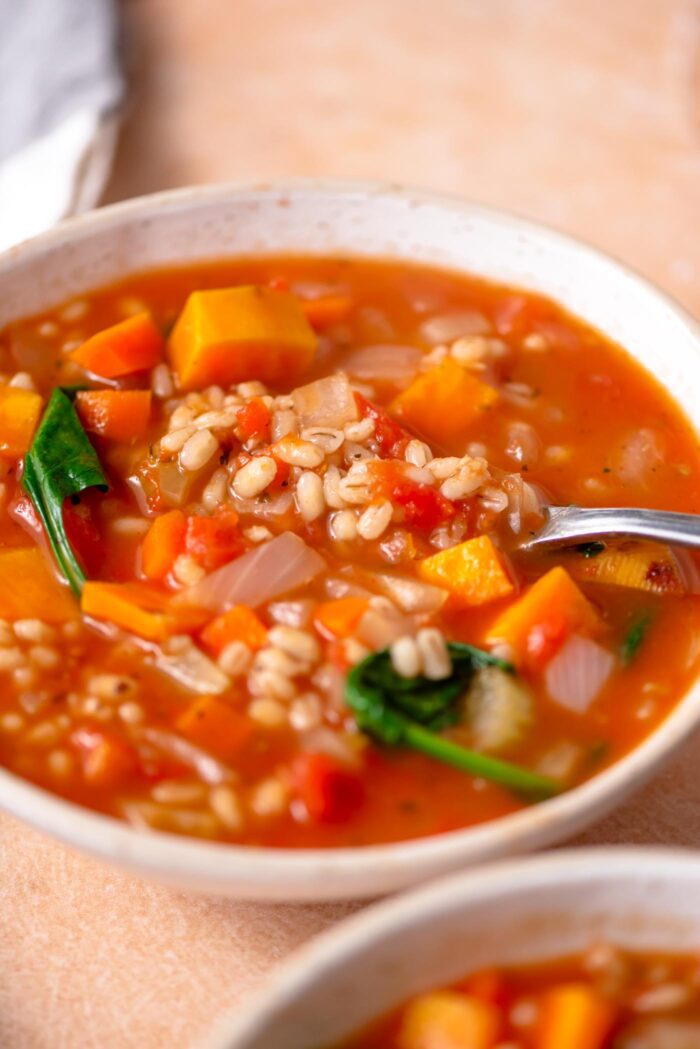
(305, 874)
(481, 887)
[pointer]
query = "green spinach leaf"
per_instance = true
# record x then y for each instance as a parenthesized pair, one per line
(60, 463)
(634, 637)
(411, 712)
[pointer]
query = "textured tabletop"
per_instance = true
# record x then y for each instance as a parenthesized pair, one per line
(582, 113)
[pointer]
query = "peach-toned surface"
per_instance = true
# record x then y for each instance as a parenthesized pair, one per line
(585, 115)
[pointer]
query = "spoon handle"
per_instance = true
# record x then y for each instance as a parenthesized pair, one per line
(567, 525)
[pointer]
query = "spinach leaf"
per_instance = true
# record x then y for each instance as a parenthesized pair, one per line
(634, 638)
(60, 463)
(591, 549)
(411, 711)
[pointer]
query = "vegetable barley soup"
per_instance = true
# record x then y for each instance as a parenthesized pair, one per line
(604, 999)
(259, 564)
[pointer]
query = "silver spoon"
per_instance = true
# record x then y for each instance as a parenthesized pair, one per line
(569, 525)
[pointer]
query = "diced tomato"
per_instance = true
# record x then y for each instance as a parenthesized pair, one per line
(424, 507)
(254, 420)
(214, 541)
(332, 792)
(107, 761)
(84, 534)
(545, 639)
(278, 283)
(391, 438)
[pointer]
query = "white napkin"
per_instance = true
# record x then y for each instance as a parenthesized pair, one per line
(60, 89)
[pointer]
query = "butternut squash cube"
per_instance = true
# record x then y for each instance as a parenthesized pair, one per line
(444, 403)
(448, 1020)
(19, 415)
(553, 600)
(473, 572)
(237, 334)
(30, 591)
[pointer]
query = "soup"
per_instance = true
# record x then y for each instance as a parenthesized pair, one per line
(603, 999)
(259, 551)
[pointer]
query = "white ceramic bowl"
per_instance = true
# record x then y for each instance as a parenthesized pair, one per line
(370, 221)
(511, 913)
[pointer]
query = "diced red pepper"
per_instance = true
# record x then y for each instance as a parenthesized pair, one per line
(332, 792)
(490, 986)
(84, 534)
(254, 420)
(545, 639)
(214, 541)
(390, 437)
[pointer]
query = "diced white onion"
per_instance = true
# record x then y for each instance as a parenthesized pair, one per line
(291, 613)
(378, 629)
(262, 574)
(324, 741)
(207, 768)
(578, 672)
(448, 326)
(326, 402)
(390, 363)
(640, 453)
(410, 595)
(175, 484)
(193, 670)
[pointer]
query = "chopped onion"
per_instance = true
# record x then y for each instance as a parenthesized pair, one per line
(291, 613)
(175, 484)
(409, 594)
(640, 453)
(395, 364)
(578, 672)
(313, 289)
(207, 768)
(262, 574)
(446, 327)
(187, 664)
(326, 402)
(270, 506)
(523, 443)
(499, 708)
(336, 745)
(378, 629)
(337, 588)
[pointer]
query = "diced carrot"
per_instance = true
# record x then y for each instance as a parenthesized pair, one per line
(540, 621)
(136, 607)
(635, 564)
(214, 541)
(254, 420)
(236, 334)
(240, 623)
(120, 415)
(340, 618)
(82, 524)
(163, 542)
(133, 345)
(19, 415)
(449, 1020)
(30, 591)
(331, 792)
(215, 725)
(444, 403)
(472, 571)
(107, 761)
(321, 313)
(574, 1016)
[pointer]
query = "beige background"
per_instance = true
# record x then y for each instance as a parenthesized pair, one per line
(583, 113)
